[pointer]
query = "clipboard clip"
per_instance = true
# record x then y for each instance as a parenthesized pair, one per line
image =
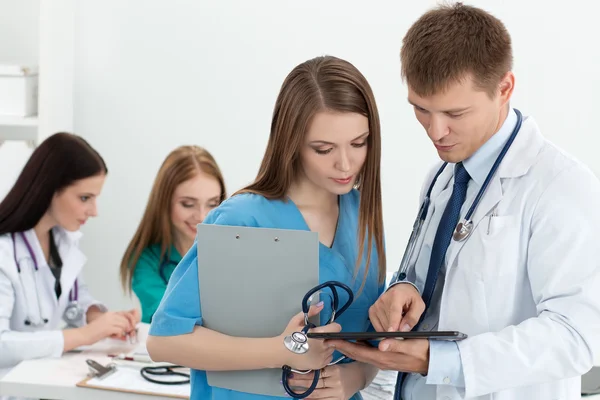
(98, 370)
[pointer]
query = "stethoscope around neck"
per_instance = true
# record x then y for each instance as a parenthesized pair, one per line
(464, 228)
(73, 312)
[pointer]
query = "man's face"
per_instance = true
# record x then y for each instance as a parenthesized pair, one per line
(461, 119)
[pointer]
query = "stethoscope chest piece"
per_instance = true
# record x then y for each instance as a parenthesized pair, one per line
(463, 230)
(297, 343)
(73, 313)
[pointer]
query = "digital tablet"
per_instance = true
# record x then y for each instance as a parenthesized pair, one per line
(363, 336)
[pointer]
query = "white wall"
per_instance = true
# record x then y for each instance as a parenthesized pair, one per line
(18, 44)
(19, 31)
(208, 74)
(151, 75)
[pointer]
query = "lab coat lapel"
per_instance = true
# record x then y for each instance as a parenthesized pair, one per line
(517, 161)
(73, 260)
(45, 279)
(442, 183)
(38, 286)
(489, 200)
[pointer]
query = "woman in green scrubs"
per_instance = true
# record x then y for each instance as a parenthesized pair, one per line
(189, 184)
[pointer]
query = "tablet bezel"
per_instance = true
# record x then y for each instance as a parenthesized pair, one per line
(358, 336)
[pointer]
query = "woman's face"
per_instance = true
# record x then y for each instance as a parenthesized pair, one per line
(192, 201)
(72, 206)
(334, 151)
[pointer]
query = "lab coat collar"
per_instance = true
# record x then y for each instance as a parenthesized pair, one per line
(443, 181)
(523, 152)
(65, 240)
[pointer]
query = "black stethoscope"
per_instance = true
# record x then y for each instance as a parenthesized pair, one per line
(165, 371)
(465, 226)
(73, 312)
(297, 342)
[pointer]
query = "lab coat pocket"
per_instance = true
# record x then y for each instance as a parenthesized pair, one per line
(494, 249)
(490, 262)
(496, 225)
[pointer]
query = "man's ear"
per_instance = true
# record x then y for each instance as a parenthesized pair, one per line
(506, 87)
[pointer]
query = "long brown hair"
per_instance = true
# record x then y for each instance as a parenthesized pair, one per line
(181, 165)
(58, 162)
(325, 84)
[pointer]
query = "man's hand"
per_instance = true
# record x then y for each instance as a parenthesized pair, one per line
(398, 309)
(409, 355)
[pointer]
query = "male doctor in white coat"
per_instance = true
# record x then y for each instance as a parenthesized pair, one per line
(524, 284)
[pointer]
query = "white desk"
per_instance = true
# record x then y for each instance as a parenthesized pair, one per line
(56, 378)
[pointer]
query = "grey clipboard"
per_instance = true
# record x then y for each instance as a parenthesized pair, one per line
(252, 281)
(590, 382)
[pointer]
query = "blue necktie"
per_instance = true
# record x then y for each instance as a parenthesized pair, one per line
(445, 230)
(440, 245)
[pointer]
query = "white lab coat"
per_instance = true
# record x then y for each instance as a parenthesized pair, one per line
(525, 286)
(19, 297)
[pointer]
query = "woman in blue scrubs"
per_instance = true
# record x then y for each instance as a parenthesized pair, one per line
(320, 172)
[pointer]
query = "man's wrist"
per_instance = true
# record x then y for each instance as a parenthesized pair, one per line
(402, 282)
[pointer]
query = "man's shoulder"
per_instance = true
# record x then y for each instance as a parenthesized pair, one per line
(555, 165)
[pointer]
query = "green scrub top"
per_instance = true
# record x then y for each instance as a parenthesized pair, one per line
(151, 277)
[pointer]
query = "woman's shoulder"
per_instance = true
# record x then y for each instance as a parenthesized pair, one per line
(7, 256)
(150, 255)
(6, 248)
(245, 209)
(5, 241)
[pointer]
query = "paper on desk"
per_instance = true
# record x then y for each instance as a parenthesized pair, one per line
(108, 346)
(129, 379)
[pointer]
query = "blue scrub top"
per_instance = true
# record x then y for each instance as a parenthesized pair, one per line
(179, 310)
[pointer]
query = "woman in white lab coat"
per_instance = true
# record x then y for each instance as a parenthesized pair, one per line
(45, 307)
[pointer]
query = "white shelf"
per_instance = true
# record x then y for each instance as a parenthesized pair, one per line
(7, 120)
(55, 46)
(18, 128)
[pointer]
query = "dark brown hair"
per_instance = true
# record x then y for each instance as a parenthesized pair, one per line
(58, 162)
(325, 84)
(451, 42)
(181, 165)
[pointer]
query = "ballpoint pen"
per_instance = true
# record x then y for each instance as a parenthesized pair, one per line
(494, 214)
(137, 358)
